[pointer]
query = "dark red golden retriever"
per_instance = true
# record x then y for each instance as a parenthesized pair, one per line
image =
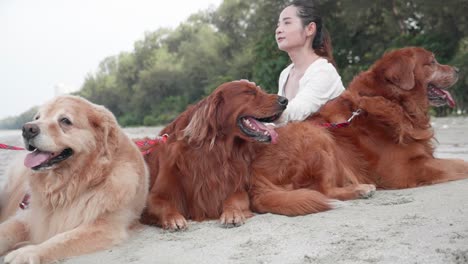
(202, 171)
(388, 145)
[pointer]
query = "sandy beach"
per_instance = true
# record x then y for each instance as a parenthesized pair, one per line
(420, 225)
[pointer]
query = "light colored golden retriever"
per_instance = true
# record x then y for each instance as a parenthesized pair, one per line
(86, 180)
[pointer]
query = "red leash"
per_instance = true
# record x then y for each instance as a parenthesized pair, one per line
(145, 143)
(151, 142)
(25, 202)
(3, 146)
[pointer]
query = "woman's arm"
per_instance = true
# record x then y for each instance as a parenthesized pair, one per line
(315, 89)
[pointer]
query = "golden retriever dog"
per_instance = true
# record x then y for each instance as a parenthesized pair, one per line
(388, 144)
(203, 170)
(85, 181)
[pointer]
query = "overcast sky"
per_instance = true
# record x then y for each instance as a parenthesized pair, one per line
(45, 43)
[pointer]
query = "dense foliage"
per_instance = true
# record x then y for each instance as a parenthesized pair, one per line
(171, 68)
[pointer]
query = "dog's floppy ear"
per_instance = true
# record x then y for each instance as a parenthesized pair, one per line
(105, 125)
(205, 123)
(399, 70)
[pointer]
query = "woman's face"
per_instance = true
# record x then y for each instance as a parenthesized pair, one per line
(290, 33)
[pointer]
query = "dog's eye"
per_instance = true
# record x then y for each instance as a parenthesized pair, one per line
(36, 117)
(66, 121)
(251, 92)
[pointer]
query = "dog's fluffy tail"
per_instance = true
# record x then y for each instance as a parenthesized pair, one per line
(290, 202)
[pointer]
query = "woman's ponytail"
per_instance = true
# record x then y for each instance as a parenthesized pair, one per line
(322, 42)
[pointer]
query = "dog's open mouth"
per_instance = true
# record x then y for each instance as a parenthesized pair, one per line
(257, 129)
(439, 97)
(41, 160)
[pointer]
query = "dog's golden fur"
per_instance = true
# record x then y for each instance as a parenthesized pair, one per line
(82, 204)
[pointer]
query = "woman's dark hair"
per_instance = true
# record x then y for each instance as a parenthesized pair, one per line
(321, 44)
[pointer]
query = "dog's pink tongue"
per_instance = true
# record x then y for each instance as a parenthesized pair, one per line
(36, 158)
(273, 134)
(449, 98)
(265, 127)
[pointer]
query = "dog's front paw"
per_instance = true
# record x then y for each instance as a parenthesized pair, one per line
(174, 221)
(24, 255)
(234, 217)
(366, 190)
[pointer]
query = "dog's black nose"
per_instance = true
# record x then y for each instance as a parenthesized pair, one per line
(283, 101)
(30, 130)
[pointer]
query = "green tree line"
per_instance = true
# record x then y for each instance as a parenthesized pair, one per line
(171, 68)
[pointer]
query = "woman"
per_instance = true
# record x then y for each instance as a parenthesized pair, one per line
(311, 80)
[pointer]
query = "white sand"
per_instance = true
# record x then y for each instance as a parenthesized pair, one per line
(421, 225)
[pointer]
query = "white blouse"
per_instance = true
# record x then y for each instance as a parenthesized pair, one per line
(320, 83)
